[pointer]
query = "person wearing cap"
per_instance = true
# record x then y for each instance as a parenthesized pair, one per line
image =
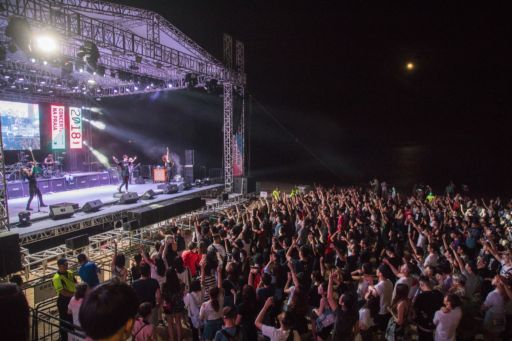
(88, 271)
(64, 283)
(230, 331)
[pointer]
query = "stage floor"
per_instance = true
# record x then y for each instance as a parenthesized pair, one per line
(81, 196)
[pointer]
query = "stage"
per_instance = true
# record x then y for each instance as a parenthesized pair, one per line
(43, 227)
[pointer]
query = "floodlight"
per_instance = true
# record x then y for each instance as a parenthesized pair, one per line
(46, 43)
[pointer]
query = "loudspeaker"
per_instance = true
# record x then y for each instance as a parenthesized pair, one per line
(10, 253)
(170, 189)
(140, 180)
(61, 211)
(129, 198)
(148, 195)
(187, 186)
(24, 219)
(131, 225)
(77, 242)
(92, 206)
(189, 156)
(189, 173)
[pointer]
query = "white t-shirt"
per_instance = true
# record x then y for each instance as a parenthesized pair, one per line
(278, 334)
(446, 324)
(365, 319)
(385, 292)
(430, 260)
(495, 302)
(208, 313)
(74, 308)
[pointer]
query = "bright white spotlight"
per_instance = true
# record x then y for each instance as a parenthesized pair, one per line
(46, 43)
(98, 124)
(91, 81)
(169, 85)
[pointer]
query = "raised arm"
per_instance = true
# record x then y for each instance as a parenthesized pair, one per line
(330, 292)
(259, 319)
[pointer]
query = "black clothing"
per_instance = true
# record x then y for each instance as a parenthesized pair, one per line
(425, 306)
(146, 290)
(124, 174)
(33, 190)
(67, 319)
(344, 324)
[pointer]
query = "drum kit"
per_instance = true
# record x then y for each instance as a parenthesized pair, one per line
(14, 171)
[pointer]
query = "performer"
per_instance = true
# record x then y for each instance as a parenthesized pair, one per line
(168, 164)
(30, 175)
(131, 167)
(124, 171)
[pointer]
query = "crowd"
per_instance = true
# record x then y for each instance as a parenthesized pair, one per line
(326, 264)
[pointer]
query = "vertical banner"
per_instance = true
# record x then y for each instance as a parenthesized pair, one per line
(75, 128)
(238, 167)
(58, 127)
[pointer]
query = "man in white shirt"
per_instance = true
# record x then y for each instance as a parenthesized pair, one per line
(276, 334)
(383, 289)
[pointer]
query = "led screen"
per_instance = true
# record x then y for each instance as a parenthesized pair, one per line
(20, 125)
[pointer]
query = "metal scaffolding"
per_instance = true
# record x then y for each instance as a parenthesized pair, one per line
(4, 207)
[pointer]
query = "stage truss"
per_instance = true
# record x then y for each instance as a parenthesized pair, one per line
(155, 54)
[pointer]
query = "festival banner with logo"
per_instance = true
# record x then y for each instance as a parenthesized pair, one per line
(75, 128)
(238, 160)
(58, 127)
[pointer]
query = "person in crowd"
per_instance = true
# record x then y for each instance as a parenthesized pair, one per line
(108, 312)
(14, 313)
(399, 309)
(135, 268)
(426, 303)
(193, 300)
(211, 310)
(384, 290)
(282, 333)
(230, 330)
(147, 289)
(88, 271)
(74, 307)
(447, 318)
(143, 330)
(191, 258)
(173, 305)
(345, 310)
(64, 283)
(118, 265)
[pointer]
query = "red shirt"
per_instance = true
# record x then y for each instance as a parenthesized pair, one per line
(191, 261)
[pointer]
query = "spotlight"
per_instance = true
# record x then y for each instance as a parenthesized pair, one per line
(135, 88)
(33, 60)
(20, 79)
(91, 81)
(46, 44)
(169, 85)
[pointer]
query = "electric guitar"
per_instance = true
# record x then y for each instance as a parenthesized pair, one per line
(36, 170)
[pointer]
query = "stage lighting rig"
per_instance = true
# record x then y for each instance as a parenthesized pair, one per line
(45, 43)
(89, 54)
(18, 29)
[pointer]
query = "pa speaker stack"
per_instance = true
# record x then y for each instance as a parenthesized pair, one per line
(10, 253)
(129, 198)
(77, 242)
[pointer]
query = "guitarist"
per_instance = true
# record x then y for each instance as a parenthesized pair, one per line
(30, 174)
(168, 163)
(132, 167)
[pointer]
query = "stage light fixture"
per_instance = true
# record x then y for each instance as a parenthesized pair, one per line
(91, 81)
(33, 60)
(46, 43)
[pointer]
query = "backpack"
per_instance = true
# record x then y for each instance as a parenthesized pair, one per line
(237, 337)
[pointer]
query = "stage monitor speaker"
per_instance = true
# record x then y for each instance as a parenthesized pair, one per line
(131, 225)
(140, 181)
(61, 211)
(10, 253)
(148, 195)
(24, 219)
(187, 186)
(170, 189)
(77, 242)
(129, 198)
(92, 206)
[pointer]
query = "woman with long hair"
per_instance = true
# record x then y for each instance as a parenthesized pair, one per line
(182, 272)
(118, 266)
(397, 325)
(211, 310)
(172, 294)
(247, 312)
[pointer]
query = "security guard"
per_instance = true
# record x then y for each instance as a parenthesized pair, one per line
(64, 283)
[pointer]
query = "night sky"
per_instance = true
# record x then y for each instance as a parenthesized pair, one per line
(333, 100)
